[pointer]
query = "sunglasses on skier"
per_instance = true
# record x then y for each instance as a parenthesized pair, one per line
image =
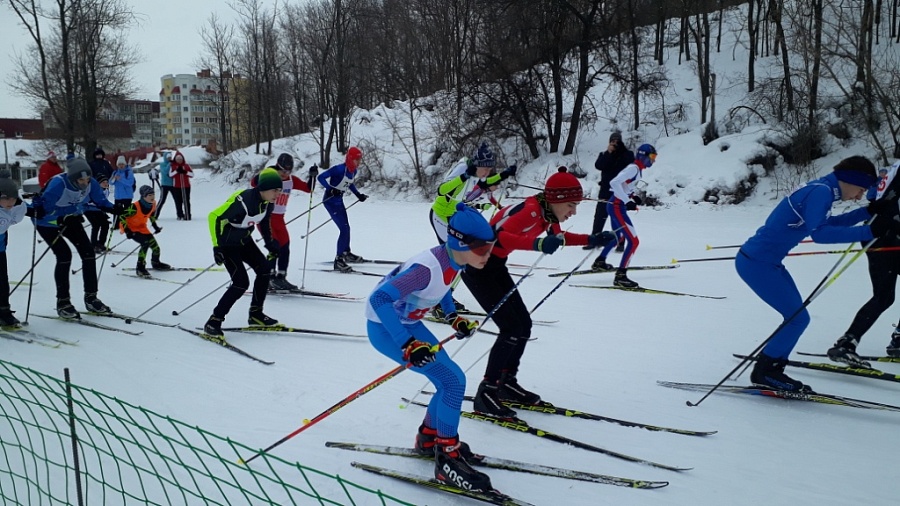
(480, 247)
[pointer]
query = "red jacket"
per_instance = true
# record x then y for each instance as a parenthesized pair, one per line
(47, 170)
(518, 225)
(180, 180)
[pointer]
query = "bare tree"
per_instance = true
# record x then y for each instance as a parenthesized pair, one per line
(218, 40)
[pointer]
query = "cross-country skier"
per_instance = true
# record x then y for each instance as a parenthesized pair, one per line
(231, 226)
(394, 313)
(884, 268)
(337, 180)
(805, 212)
(133, 223)
(284, 166)
(624, 200)
(12, 211)
(61, 216)
(520, 227)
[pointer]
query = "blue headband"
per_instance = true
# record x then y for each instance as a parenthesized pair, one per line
(855, 178)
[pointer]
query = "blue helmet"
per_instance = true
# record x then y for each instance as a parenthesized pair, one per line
(467, 226)
(646, 153)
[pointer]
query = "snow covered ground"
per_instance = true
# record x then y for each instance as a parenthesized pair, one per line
(604, 356)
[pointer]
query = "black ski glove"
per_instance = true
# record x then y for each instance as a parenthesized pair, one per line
(600, 240)
(362, 197)
(218, 255)
(417, 353)
(464, 328)
(549, 244)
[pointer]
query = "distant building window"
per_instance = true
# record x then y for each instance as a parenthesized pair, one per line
(185, 98)
(187, 130)
(185, 109)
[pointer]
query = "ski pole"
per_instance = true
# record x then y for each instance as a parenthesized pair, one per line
(108, 241)
(76, 271)
(31, 276)
(307, 423)
(489, 315)
(176, 313)
(186, 283)
(732, 246)
(116, 264)
(306, 241)
(567, 276)
(823, 284)
(797, 254)
(34, 264)
(326, 221)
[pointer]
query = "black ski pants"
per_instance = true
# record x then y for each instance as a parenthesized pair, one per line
(235, 258)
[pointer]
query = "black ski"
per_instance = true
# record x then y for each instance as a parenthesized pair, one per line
(649, 290)
(492, 497)
(282, 328)
(550, 409)
(354, 271)
(310, 293)
(867, 358)
(507, 465)
(152, 278)
(88, 323)
(535, 267)
(130, 319)
(225, 344)
(835, 400)
(198, 269)
(840, 369)
(24, 333)
(15, 335)
(635, 268)
(377, 262)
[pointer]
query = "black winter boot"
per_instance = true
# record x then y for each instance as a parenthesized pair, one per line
(93, 305)
(510, 390)
(141, 270)
(65, 309)
(159, 265)
(213, 327)
(257, 317)
(7, 318)
(488, 401)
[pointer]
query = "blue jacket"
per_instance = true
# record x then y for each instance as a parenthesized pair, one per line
(62, 198)
(123, 183)
(337, 178)
(807, 212)
(164, 167)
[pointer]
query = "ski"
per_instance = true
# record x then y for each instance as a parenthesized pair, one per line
(151, 278)
(441, 320)
(282, 328)
(466, 312)
(492, 497)
(840, 369)
(506, 465)
(535, 267)
(650, 290)
(223, 343)
(377, 262)
(354, 271)
(310, 293)
(835, 400)
(129, 319)
(635, 268)
(14, 335)
(88, 323)
(867, 358)
(22, 332)
(550, 409)
(220, 269)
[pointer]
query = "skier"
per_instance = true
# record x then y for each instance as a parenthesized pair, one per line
(394, 312)
(884, 268)
(610, 162)
(284, 166)
(61, 215)
(337, 180)
(624, 199)
(805, 212)
(469, 182)
(181, 174)
(519, 227)
(133, 223)
(12, 211)
(231, 226)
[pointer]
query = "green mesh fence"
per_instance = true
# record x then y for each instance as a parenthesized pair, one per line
(130, 455)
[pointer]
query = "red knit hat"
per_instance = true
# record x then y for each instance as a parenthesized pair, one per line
(563, 187)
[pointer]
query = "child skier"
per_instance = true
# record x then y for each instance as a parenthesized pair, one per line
(12, 211)
(231, 226)
(133, 223)
(394, 313)
(520, 226)
(624, 200)
(337, 180)
(279, 266)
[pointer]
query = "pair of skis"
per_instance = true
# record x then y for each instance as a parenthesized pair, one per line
(635, 268)
(23, 335)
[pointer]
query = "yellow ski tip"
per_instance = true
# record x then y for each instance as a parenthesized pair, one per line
(708, 247)
(674, 260)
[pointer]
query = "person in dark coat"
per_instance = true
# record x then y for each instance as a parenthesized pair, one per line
(609, 163)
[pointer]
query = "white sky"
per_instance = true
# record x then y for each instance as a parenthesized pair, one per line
(167, 36)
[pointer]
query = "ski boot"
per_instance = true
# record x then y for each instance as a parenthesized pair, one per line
(487, 400)
(65, 309)
(141, 270)
(460, 307)
(351, 258)
(341, 265)
(257, 317)
(159, 265)
(844, 350)
(600, 265)
(893, 349)
(213, 327)
(93, 305)
(451, 468)
(510, 390)
(7, 318)
(769, 372)
(623, 281)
